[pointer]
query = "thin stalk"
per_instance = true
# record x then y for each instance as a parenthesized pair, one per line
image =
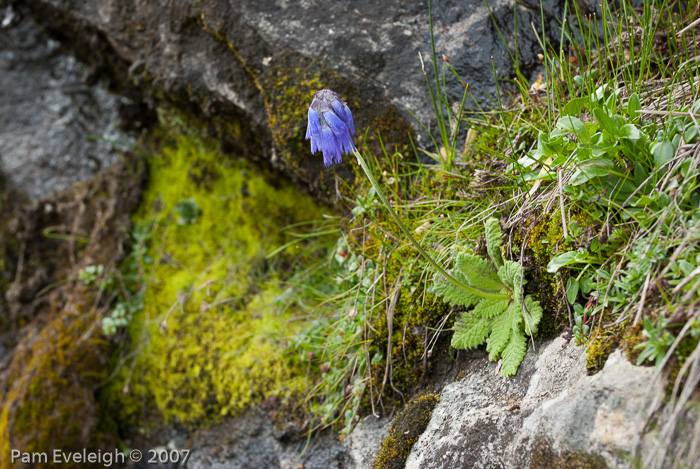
(416, 244)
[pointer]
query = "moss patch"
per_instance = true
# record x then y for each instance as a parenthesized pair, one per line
(406, 428)
(209, 341)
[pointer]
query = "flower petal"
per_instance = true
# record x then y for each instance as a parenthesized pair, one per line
(339, 109)
(337, 125)
(329, 146)
(314, 126)
(348, 119)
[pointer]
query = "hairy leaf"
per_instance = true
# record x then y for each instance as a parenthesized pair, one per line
(451, 293)
(532, 316)
(494, 241)
(513, 354)
(510, 274)
(490, 308)
(471, 331)
(504, 324)
(500, 333)
(480, 273)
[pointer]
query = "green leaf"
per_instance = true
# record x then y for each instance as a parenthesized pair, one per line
(494, 241)
(510, 274)
(590, 169)
(513, 355)
(574, 125)
(605, 121)
(571, 290)
(500, 333)
(488, 308)
(574, 107)
(560, 260)
(451, 293)
(633, 106)
(471, 331)
(479, 272)
(630, 131)
(532, 316)
(663, 152)
(640, 174)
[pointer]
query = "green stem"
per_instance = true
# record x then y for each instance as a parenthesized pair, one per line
(475, 291)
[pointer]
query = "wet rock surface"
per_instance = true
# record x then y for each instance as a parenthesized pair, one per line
(55, 130)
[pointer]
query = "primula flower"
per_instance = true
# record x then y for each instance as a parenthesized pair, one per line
(330, 127)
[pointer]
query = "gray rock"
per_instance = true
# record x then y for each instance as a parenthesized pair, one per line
(47, 114)
(258, 62)
(550, 409)
(365, 440)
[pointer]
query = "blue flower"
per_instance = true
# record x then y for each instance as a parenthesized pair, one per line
(330, 127)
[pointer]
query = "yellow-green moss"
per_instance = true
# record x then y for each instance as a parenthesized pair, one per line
(406, 428)
(221, 348)
(602, 344)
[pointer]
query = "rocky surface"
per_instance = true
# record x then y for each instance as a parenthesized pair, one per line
(550, 414)
(259, 62)
(54, 128)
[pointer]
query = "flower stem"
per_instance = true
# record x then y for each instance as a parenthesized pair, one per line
(470, 289)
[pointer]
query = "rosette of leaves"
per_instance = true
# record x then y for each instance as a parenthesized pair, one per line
(504, 324)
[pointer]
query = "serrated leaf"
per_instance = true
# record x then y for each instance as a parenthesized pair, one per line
(479, 272)
(488, 308)
(510, 274)
(500, 333)
(451, 293)
(532, 316)
(494, 241)
(471, 331)
(513, 354)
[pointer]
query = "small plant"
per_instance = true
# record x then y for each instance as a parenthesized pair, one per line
(658, 342)
(580, 329)
(188, 211)
(91, 273)
(503, 323)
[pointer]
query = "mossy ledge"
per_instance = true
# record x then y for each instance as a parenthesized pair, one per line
(406, 428)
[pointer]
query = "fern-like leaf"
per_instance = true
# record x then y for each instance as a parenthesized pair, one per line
(532, 316)
(480, 273)
(504, 324)
(451, 293)
(510, 273)
(513, 354)
(500, 334)
(471, 331)
(494, 241)
(490, 308)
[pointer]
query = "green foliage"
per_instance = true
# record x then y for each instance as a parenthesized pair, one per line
(658, 342)
(503, 324)
(89, 274)
(187, 211)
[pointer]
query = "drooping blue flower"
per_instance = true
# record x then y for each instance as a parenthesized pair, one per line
(330, 127)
